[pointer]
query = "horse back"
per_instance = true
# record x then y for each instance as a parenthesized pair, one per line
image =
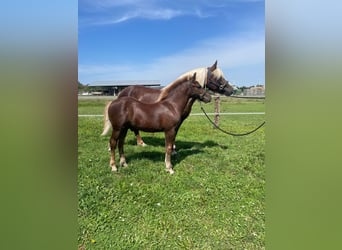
(141, 93)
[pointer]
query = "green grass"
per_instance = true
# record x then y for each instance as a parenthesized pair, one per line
(215, 199)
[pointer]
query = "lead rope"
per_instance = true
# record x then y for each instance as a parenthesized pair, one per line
(230, 133)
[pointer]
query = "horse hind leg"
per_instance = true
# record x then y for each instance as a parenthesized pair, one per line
(122, 137)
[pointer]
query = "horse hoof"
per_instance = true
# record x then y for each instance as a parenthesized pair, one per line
(142, 144)
(171, 171)
(124, 164)
(114, 169)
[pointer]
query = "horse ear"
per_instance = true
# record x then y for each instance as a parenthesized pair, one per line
(213, 67)
(194, 77)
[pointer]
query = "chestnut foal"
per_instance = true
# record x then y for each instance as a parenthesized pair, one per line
(164, 115)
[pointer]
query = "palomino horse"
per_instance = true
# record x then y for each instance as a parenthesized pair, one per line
(211, 78)
(165, 115)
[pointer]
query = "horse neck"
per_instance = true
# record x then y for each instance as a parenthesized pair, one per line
(180, 95)
(188, 107)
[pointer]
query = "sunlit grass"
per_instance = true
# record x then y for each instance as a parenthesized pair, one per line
(215, 199)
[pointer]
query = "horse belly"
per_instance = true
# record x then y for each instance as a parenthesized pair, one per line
(147, 125)
(150, 121)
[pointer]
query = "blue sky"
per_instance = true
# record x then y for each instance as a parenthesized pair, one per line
(161, 39)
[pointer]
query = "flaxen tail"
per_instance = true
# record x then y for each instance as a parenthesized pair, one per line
(107, 126)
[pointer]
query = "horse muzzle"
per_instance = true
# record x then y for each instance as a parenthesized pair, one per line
(227, 91)
(206, 97)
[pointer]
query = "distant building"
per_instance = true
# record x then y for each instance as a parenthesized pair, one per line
(114, 87)
(259, 90)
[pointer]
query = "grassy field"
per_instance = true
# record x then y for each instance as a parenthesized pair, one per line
(215, 199)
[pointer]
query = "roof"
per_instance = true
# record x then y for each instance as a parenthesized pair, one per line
(126, 83)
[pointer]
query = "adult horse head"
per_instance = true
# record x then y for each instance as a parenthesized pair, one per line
(212, 78)
(216, 81)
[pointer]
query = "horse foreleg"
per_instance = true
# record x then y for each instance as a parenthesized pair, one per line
(169, 142)
(185, 114)
(140, 141)
(112, 144)
(174, 152)
(122, 137)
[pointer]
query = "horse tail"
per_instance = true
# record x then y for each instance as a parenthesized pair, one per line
(106, 123)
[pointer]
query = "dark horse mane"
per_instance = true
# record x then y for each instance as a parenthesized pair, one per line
(166, 90)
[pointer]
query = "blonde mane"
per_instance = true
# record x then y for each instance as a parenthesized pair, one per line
(166, 90)
(201, 75)
(201, 78)
(217, 73)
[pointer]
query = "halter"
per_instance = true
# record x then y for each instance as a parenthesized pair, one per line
(208, 76)
(221, 86)
(202, 95)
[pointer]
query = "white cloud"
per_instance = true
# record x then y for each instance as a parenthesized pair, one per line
(160, 14)
(244, 51)
(113, 11)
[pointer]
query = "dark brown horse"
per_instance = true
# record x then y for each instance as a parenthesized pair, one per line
(164, 115)
(211, 78)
